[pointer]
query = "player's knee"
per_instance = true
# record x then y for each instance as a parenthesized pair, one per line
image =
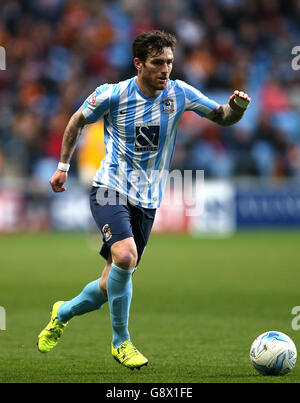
(125, 259)
(103, 284)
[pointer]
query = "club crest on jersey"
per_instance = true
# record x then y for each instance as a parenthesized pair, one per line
(106, 232)
(168, 105)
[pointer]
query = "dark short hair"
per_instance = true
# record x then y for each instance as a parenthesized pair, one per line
(152, 42)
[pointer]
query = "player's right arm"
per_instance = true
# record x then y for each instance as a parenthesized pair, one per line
(69, 142)
(93, 109)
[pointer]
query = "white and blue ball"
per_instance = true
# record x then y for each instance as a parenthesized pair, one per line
(273, 353)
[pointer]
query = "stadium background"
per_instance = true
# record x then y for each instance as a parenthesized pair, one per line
(58, 51)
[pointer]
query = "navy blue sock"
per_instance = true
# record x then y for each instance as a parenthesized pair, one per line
(119, 291)
(91, 298)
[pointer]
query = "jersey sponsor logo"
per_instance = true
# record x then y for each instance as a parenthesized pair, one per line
(168, 105)
(146, 136)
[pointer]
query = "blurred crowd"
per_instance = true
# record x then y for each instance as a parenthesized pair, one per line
(58, 51)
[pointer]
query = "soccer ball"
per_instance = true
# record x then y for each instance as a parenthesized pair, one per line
(273, 353)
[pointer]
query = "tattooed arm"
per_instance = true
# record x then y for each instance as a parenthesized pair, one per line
(231, 113)
(70, 140)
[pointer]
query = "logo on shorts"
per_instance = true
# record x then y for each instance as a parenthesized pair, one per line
(106, 232)
(168, 105)
(146, 136)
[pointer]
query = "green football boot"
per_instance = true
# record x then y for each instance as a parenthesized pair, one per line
(127, 355)
(48, 338)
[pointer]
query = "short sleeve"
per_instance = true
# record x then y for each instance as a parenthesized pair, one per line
(97, 104)
(196, 101)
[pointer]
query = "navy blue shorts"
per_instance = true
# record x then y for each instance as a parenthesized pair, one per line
(117, 219)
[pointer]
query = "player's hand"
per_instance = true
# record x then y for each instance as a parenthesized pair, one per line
(58, 179)
(239, 101)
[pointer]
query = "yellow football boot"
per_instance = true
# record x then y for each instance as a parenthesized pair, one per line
(48, 338)
(127, 355)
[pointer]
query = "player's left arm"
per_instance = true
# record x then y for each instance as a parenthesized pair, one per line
(231, 113)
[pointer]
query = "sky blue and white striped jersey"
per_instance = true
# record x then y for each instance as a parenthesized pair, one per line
(140, 135)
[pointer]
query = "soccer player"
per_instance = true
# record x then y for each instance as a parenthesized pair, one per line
(141, 116)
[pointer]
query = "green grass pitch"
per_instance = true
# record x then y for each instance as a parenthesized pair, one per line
(197, 306)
